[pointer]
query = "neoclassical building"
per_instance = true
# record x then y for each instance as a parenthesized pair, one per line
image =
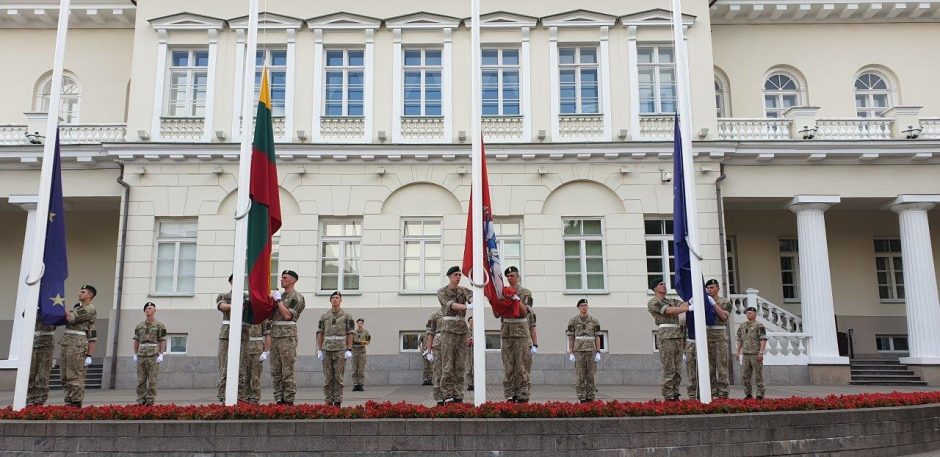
(817, 142)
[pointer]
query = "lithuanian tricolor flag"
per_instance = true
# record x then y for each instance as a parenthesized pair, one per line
(264, 217)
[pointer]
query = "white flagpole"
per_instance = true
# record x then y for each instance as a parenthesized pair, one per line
(241, 211)
(685, 127)
(42, 209)
(476, 199)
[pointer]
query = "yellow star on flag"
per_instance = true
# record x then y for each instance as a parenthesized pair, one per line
(58, 300)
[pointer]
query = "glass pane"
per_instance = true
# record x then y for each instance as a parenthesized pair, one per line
(666, 55)
(412, 57)
(644, 55)
(787, 277)
(333, 229)
(654, 265)
(165, 267)
(432, 228)
(352, 250)
(566, 76)
(412, 249)
(507, 228)
(883, 278)
(897, 263)
(572, 248)
(412, 266)
(432, 282)
(592, 227)
(572, 265)
(432, 267)
(329, 282)
(432, 57)
(411, 282)
(595, 282)
(414, 228)
(653, 227)
(490, 57)
(654, 248)
(278, 58)
(201, 58)
(593, 248)
(511, 249)
(169, 229)
(178, 344)
(186, 284)
(588, 55)
(356, 58)
(900, 343)
(566, 56)
(353, 228)
(573, 227)
(573, 282)
(595, 265)
(351, 282)
(884, 292)
(409, 341)
(180, 58)
(510, 57)
(330, 267)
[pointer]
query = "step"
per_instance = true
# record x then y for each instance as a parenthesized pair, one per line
(882, 372)
(886, 378)
(880, 367)
(888, 383)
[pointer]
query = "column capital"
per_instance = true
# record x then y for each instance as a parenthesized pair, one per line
(802, 203)
(913, 202)
(25, 202)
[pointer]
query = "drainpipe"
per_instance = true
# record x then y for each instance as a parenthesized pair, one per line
(724, 258)
(120, 280)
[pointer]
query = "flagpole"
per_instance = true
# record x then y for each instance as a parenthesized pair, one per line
(476, 204)
(42, 211)
(241, 210)
(684, 106)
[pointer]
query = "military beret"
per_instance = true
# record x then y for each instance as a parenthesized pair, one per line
(712, 281)
(583, 300)
(361, 320)
(336, 293)
(655, 282)
(148, 304)
(90, 288)
(750, 308)
(290, 273)
(452, 270)
(512, 269)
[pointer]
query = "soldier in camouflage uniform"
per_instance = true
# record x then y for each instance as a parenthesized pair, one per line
(256, 343)
(41, 367)
(334, 345)
(718, 341)
(424, 350)
(584, 349)
(361, 339)
(670, 337)
(456, 302)
(434, 335)
(289, 305)
(79, 336)
(752, 341)
(516, 344)
(223, 303)
(149, 346)
(469, 372)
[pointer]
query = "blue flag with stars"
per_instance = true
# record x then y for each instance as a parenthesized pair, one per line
(54, 259)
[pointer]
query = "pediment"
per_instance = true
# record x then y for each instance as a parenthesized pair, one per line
(504, 19)
(579, 18)
(187, 21)
(422, 20)
(343, 21)
(655, 17)
(267, 21)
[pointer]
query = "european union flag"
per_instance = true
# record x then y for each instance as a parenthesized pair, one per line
(680, 230)
(54, 259)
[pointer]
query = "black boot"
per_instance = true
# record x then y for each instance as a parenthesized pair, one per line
(338, 404)
(470, 387)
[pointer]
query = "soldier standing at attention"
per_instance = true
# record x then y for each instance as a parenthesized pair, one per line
(223, 303)
(149, 346)
(361, 339)
(334, 345)
(752, 340)
(424, 350)
(517, 346)
(41, 367)
(79, 335)
(256, 344)
(584, 349)
(288, 307)
(434, 328)
(670, 337)
(718, 341)
(455, 302)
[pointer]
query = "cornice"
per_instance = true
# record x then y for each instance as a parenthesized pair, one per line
(822, 11)
(86, 15)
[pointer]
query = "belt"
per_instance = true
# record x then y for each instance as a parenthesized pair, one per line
(76, 332)
(45, 333)
(284, 323)
(687, 340)
(358, 345)
(668, 325)
(516, 321)
(452, 318)
(256, 338)
(334, 338)
(716, 327)
(225, 322)
(585, 337)
(148, 344)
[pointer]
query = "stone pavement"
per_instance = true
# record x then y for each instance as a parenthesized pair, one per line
(422, 394)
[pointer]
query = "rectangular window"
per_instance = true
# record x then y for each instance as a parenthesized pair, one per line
(660, 252)
(340, 255)
(176, 257)
(344, 82)
(408, 341)
(187, 83)
(790, 269)
(891, 343)
(422, 71)
(176, 343)
(509, 237)
(500, 82)
(494, 341)
(276, 61)
(656, 68)
(731, 250)
(578, 87)
(584, 255)
(421, 259)
(889, 267)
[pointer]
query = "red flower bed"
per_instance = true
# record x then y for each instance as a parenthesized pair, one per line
(373, 410)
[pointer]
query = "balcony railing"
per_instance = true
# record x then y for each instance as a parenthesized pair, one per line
(576, 127)
(342, 128)
(775, 317)
(656, 127)
(422, 128)
(854, 129)
(931, 128)
(754, 129)
(70, 134)
(187, 129)
(502, 128)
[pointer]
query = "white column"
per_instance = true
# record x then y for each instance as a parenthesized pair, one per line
(236, 134)
(396, 86)
(368, 104)
(553, 77)
(289, 90)
(525, 61)
(815, 278)
(208, 126)
(318, 92)
(158, 85)
(920, 278)
(605, 82)
(447, 105)
(27, 203)
(634, 82)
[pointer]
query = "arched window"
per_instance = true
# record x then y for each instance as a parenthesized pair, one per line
(71, 96)
(872, 95)
(781, 92)
(720, 105)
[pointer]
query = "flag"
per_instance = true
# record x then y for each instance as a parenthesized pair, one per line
(683, 255)
(55, 259)
(264, 216)
(503, 299)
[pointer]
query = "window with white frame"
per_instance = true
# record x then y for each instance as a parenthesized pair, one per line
(660, 252)
(276, 61)
(71, 96)
(408, 341)
(790, 269)
(189, 76)
(889, 267)
(872, 95)
(891, 343)
(578, 89)
(584, 255)
(176, 343)
(340, 255)
(176, 257)
(421, 259)
(422, 72)
(344, 82)
(500, 81)
(781, 92)
(656, 69)
(732, 260)
(509, 239)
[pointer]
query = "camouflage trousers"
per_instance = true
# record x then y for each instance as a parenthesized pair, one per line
(436, 369)
(223, 368)
(334, 368)
(752, 366)
(718, 365)
(40, 369)
(691, 368)
(670, 354)
(359, 365)
(147, 371)
(453, 365)
(469, 375)
(428, 374)
(283, 356)
(516, 357)
(73, 368)
(249, 375)
(584, 369)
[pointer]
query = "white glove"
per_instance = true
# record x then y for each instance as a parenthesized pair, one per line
(430, 357)
(135, 358)
(348, 354)
(87, 361)
(534, 350)
(597, 356)
(159, 358)
(740, 359)
(469, 307)
(319, 355)
(571, 357)
(264, 356)
(276, 295)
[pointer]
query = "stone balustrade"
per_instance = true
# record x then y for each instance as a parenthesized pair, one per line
(581, 128)
(854, 129)
(785, 348)
(930, 128)
(11, 135)
(422, 128)
(768, 313)
(186, 129)
(503, 128)
(342, 128)
(656, 127)
(754, 129)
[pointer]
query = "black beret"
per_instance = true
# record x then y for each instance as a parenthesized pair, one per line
(336, 293)
(583, 300)
(655, 282)
(712, 281)
(512, 269)
(290, 273)
(750, 308)
(361, 320)
(149, 303)
(452, 270)
(90, 288)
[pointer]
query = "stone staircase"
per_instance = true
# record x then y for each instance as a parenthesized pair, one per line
(883, 372)
(92, 377)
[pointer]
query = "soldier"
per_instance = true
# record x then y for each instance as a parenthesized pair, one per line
(516, 346)
(288, 307)
(584, 349)
(456, 302)
(149, 346)
(223, 303)
(361, 339)
(434, 328)
(77, 344)
(670, 337)
(752, 341)
(469, 375)
(424, 349)
(41, 367)
(718, 341)
(256, 344)
(334, 345)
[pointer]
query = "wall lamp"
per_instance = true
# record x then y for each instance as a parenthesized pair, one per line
(912, 133)
(34, 138)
